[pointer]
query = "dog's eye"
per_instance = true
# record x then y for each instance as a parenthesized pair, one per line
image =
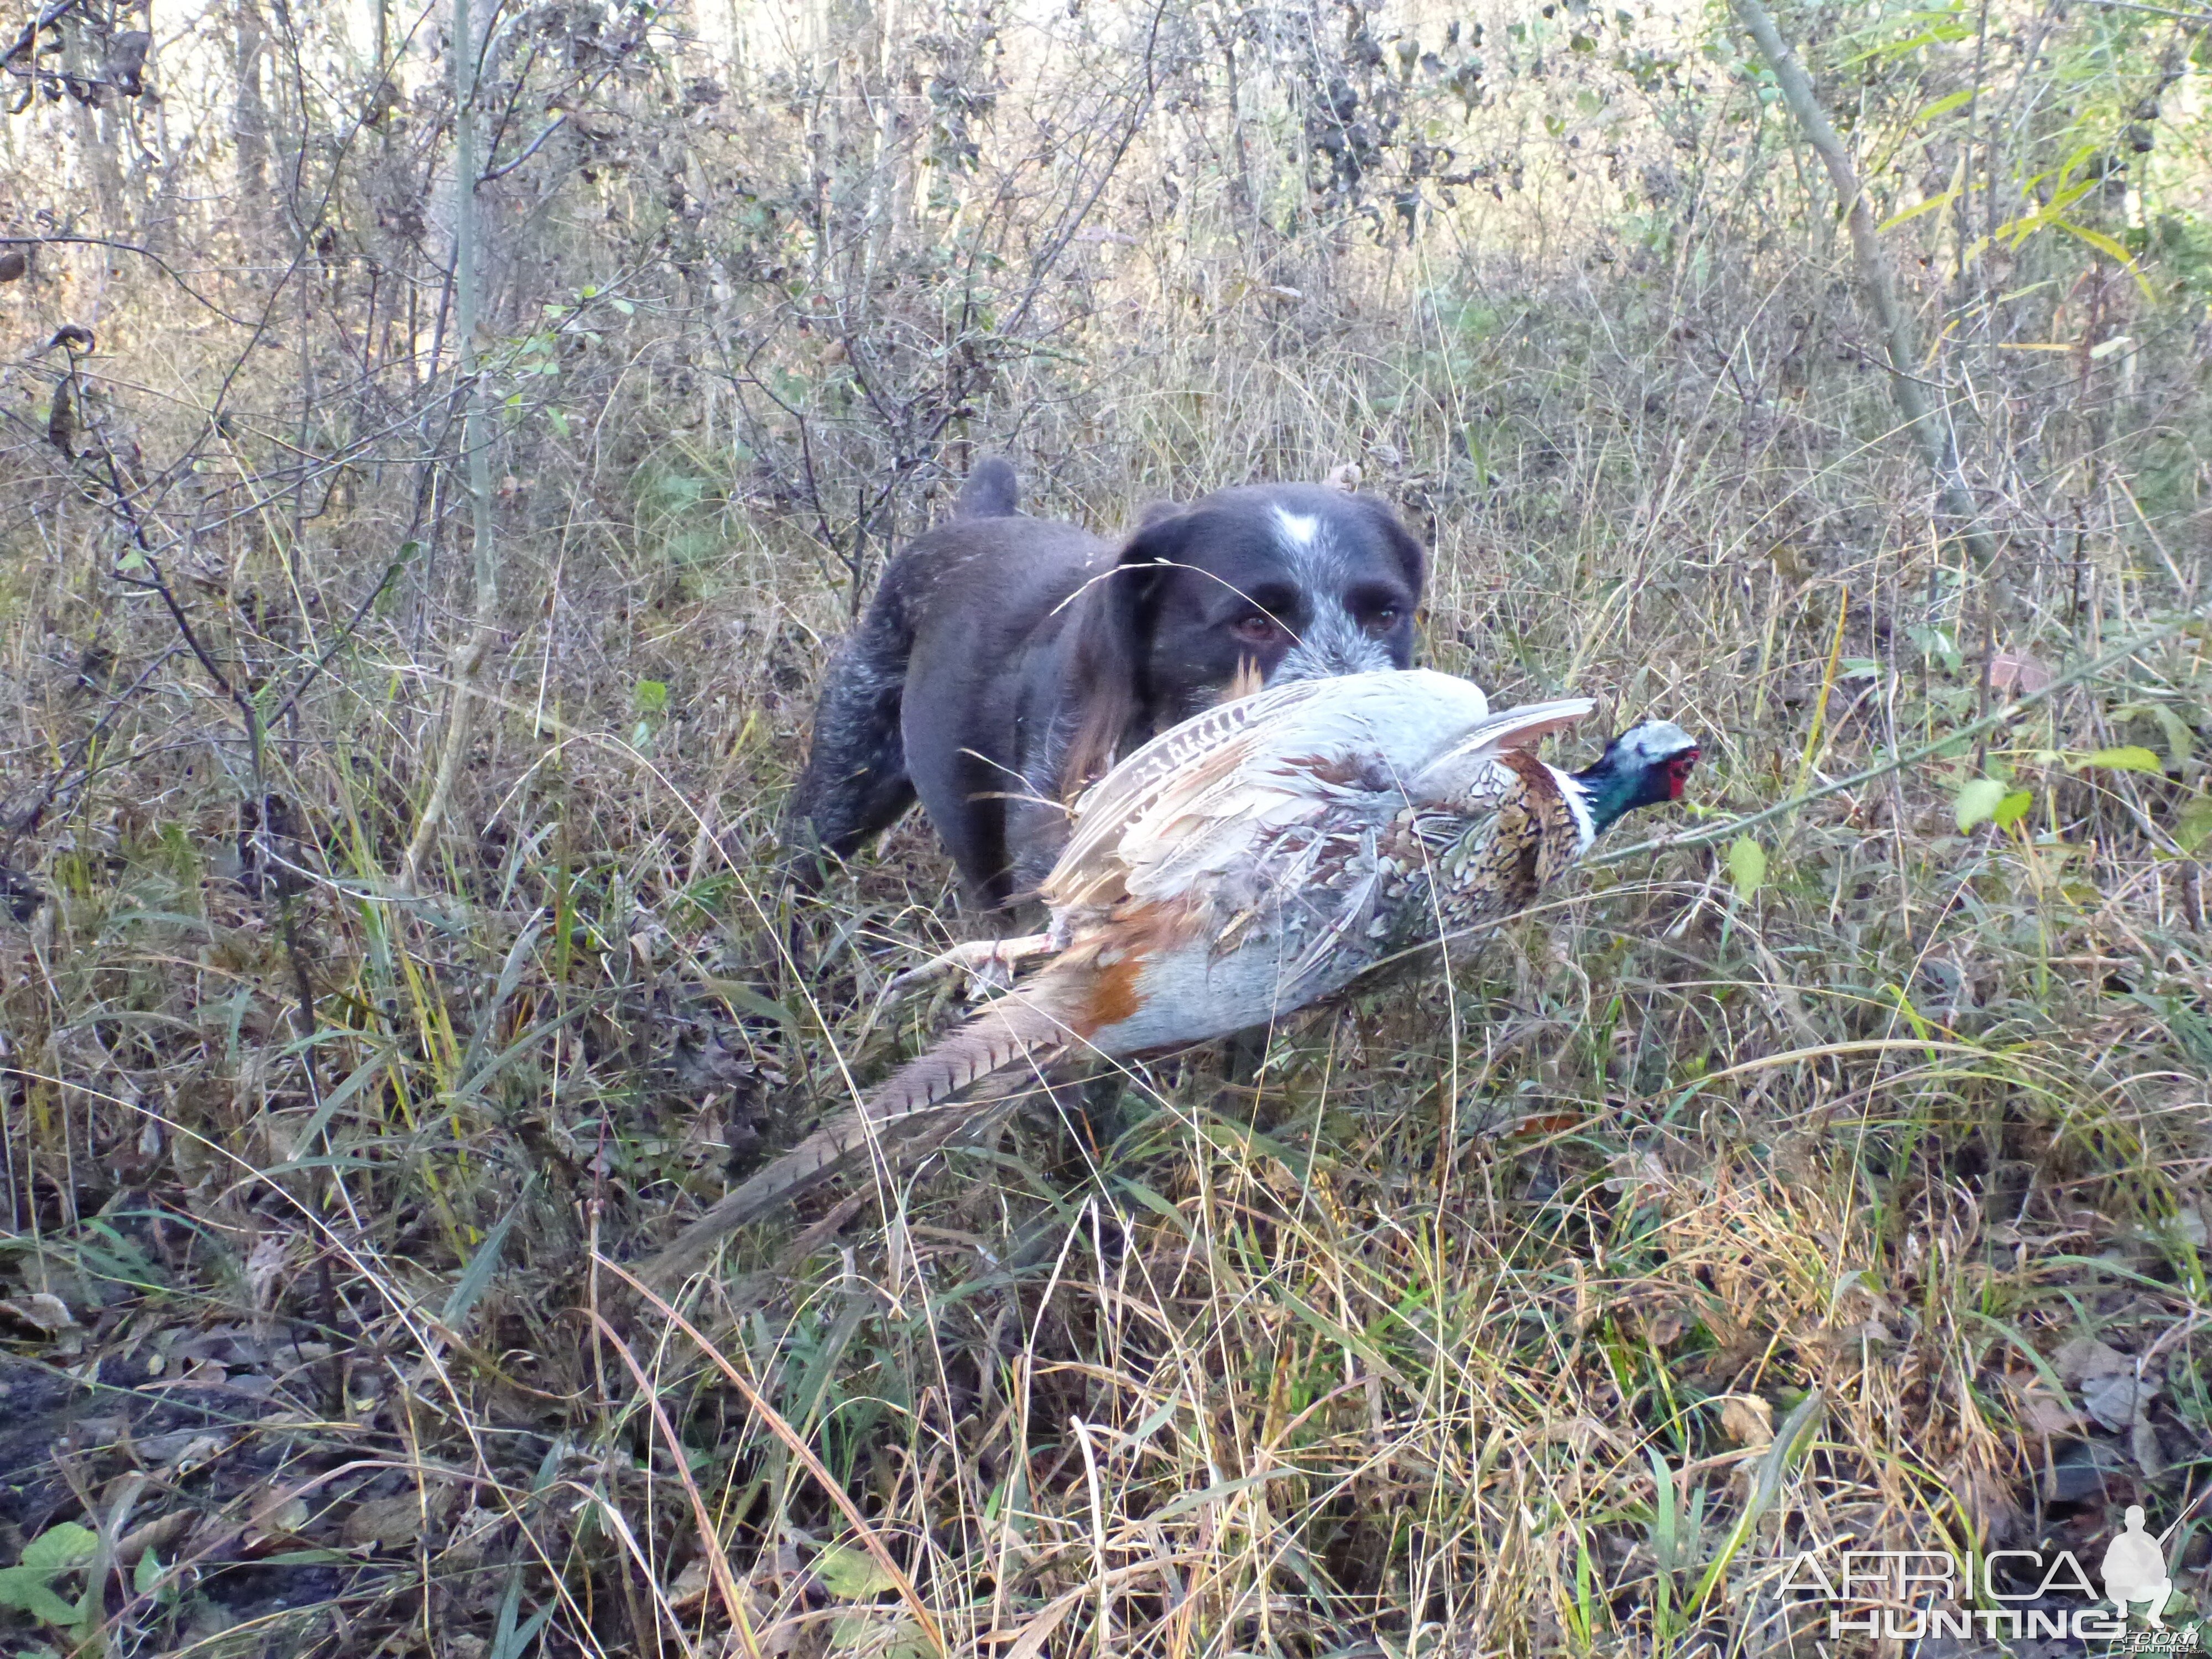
(1255, 629)
(1383, 621)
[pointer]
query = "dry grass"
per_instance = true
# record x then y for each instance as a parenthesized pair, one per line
(1542, 1309)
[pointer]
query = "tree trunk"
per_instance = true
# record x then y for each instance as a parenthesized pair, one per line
(1930, 424)
(249, 123)
(468, 662)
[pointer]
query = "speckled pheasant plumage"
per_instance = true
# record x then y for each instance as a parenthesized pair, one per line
(1242, 866)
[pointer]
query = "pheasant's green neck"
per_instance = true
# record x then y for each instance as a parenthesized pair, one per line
(1610, 791)
(1608, 794)
(1641, 768)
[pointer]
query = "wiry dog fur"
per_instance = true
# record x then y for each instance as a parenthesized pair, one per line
(1005, 660)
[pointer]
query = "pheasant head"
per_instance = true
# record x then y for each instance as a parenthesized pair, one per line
(1643, 766)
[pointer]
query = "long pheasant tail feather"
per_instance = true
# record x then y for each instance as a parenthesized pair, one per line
(909, 1108)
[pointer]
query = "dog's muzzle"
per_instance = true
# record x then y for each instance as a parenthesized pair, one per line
(1335, 644)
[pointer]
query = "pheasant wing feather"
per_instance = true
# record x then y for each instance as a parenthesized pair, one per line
(1159, 762)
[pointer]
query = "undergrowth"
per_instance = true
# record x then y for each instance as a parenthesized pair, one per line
(1841, 1183)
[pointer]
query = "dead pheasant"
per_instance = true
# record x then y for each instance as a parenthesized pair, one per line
(1240, 866)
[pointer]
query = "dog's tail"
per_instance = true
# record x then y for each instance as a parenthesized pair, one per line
(992, 491)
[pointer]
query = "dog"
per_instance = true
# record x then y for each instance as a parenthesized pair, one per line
(1006, 661)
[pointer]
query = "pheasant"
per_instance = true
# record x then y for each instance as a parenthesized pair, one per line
(1241, 865)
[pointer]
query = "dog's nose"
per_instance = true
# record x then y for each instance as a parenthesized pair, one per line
(1327, 651)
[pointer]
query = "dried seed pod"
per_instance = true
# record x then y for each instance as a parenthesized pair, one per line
(61, 421)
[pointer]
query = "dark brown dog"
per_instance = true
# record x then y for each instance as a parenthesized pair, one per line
(1005, 660)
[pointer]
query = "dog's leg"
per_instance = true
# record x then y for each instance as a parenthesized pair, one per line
(1038, 827)
(855, 783)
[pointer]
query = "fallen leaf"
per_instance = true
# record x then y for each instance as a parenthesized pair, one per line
(278, 1512)
(2105, 1380)
(1748, 1420)
(155, 1534)
(40, 1310)
(852, 1575)
(393, 1522)
(2117, 1400)
(2042, 1411)
(690, 1586)
(1579, 1432)
(2017, 674)
(2084, 1357)
(1661, 1326)
(198, 1449)
(1638, 1175)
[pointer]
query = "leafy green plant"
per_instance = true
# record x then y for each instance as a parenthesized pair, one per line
(29, 1585)
(1746, 865)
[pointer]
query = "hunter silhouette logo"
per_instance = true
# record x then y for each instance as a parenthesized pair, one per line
(2134, 1571)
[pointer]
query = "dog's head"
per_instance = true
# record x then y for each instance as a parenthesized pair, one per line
(1282, 581)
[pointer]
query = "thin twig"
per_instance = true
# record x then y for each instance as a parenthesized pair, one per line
(147, 254)
(391, 574)
(23, 821)
(2202, 19)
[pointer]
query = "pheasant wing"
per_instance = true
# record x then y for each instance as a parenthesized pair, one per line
(1447, 777)
(1264, 823)
(1198, 797)
(1201, 750)
(1477, 813)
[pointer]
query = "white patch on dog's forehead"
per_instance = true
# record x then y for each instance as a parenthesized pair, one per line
(1332, 640)
(1299, 529)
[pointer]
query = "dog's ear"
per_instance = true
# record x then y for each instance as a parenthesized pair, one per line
(1412, 556)
(1111, 678)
